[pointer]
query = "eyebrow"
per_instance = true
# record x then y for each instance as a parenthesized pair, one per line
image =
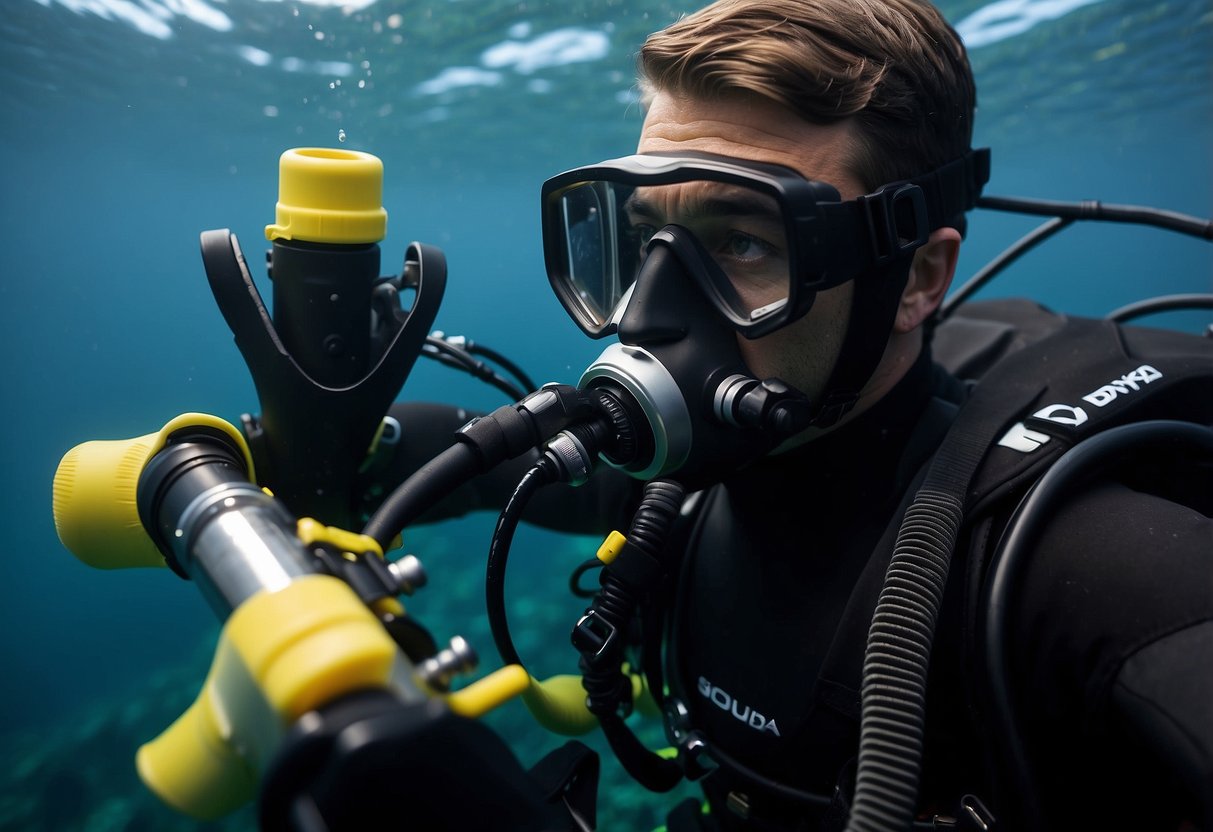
(736, 205)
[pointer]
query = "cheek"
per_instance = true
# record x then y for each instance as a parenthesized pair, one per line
(804, 352)
(763, 355)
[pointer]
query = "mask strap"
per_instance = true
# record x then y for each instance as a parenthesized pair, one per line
(954, 188)
(949, 191)
(873, 309)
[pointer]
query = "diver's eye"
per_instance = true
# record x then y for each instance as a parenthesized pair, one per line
(746, 247)
(642, 233)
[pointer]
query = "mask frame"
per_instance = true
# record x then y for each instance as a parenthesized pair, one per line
(829, 240)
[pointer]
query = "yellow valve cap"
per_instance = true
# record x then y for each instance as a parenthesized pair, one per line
(326, 195)
(280, 655)
(93, 496)
(193, 769)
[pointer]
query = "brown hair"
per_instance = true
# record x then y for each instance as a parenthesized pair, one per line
(894, 66)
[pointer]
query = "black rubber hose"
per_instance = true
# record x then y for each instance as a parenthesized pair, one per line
(654, 772)
(615, 605)
(575, 586)
(897, 657)
(1163, 303)
(659, 506)
(462, 359)
(1008, 256)
(513, 369)
(896, 662)
(543, 473)
(1094, 210)
(429, 484)
(1081, 462)
(1064, 214)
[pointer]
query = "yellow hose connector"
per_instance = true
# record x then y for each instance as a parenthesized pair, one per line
(327, 195)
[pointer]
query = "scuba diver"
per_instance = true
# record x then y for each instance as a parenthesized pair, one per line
(880, 560)
(774, 299)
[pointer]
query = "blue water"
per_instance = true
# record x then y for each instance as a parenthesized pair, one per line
(129, 127)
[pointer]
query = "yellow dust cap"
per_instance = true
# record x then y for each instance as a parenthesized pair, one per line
(95, 494)
(327, 195)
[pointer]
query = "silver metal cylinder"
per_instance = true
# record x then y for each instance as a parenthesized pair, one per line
(234, 541)
(728, 394)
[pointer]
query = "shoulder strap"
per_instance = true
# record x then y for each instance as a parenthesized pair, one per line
(1088, 376)
(962, 473)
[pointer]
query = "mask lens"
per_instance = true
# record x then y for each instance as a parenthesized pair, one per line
(606, 228)
(741, 229)
(598, 268)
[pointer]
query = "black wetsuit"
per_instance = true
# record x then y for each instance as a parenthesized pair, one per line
(1112, 635)
(1112, 632)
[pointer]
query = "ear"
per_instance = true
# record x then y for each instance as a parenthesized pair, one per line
(930, 276)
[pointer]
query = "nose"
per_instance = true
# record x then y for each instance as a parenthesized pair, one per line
(661, 301)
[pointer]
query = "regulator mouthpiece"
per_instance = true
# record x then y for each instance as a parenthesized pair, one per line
(326, 195)
(635, 377)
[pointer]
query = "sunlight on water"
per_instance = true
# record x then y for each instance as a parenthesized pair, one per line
(157, 18)
(150, 17)
(1007, 18)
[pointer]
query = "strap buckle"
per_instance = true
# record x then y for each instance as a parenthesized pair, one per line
(896, 221)
(971, 816)
(693, 753)
(594, 637)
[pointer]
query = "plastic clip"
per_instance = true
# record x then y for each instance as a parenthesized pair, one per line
(896, 221)
(594, 637)
(971, 816)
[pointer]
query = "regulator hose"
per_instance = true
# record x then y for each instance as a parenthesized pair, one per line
(895, 664)
(430, 483)
(568, 458)
(1081, 463)
(637, 568)
(897, 657)
(543, 473)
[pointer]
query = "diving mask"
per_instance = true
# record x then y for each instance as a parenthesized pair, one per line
(769, 238)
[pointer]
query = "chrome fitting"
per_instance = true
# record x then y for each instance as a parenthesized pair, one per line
(408, 573)
(728, 394)
(571, 456)
(440, 669)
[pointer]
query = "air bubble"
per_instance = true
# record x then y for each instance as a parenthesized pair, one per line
(341, 135)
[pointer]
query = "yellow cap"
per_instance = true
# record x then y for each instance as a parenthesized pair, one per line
(280, 655)
(95, 488)
(326, 195)
(611, 547)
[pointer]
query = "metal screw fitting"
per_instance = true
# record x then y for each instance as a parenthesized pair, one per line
(570, 454)
(409, 574)
(440, 669)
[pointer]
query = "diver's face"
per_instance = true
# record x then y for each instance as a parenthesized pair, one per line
(802, 353)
